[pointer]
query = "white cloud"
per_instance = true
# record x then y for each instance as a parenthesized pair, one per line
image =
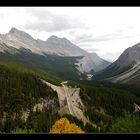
(107, 31)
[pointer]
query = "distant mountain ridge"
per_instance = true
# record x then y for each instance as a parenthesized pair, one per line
(126, 69)
(52, 46)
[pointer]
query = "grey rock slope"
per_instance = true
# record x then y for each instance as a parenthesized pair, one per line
(63, 47)
(70, 101)
(91, 61)
(127, 66)
(129, 57)
(52, 46)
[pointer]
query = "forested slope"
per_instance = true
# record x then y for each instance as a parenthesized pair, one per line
(20, 90)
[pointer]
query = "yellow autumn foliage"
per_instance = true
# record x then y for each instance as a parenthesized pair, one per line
(64, 126)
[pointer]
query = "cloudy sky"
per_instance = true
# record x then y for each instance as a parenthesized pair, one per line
(108, 31)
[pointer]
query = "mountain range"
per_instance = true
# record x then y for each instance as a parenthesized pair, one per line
(17, 45)
(16, 40)
(43, 81)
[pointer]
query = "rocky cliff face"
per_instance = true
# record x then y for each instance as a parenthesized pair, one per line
(92, 61)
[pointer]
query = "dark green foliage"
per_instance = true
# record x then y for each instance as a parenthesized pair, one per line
(73, 119)
(113, 101)
(97, 116)
(8, 125)
(59, 66)
(23, 89)
(90, 129)
(41, 122)
(133, 89)
(107, 103)
(86, 128)
(20, 91)
(110, 71)
(29, 69)
(127, 124)
(102, 120)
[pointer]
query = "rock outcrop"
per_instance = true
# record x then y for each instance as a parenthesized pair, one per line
(70, 101)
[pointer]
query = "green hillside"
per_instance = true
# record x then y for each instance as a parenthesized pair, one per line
(106, 104)
(63, 67)
(26, 68)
